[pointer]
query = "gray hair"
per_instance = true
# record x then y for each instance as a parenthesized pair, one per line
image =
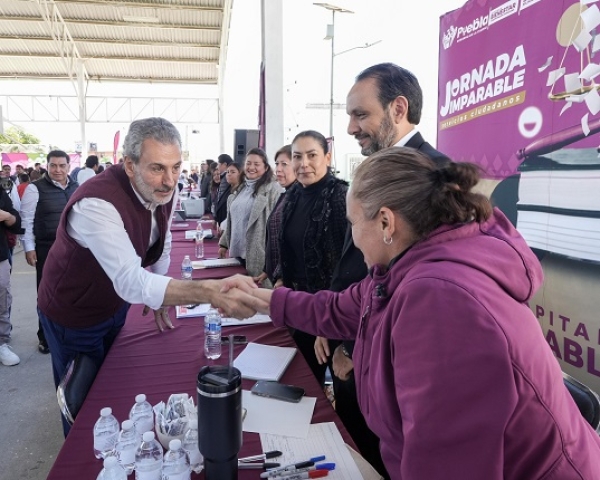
(156, 128)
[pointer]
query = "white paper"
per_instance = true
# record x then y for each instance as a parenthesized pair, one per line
(269, 415)
(587, 2)
(591, 17)
(554, 75)
(572, 82)
(582, 41)
(592, 100)
(545, 65)
(590, 71)
(264, 362)
(234, 322)
(199, 310)
(596, 45)
(323, 439)
(584, 124)
(215, 263)
(566, 106)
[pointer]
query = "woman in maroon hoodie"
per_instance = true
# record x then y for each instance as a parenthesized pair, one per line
(452, 370)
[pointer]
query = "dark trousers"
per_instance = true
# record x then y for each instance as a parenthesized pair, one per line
(306, 344)
(41, 252)
(65, 343)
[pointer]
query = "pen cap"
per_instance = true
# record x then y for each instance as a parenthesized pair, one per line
(220, 420)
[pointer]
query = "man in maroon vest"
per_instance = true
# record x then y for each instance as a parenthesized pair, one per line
(113, 227)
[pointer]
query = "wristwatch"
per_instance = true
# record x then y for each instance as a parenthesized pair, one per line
(345, 351)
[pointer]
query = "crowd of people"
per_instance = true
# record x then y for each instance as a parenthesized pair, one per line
(413, 289)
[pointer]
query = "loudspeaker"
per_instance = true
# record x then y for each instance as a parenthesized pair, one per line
(243, 141)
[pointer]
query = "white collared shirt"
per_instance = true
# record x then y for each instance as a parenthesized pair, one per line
(95, 224)
(404, 140)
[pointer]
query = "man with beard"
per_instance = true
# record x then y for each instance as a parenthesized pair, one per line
(110, 231)
(384, 106)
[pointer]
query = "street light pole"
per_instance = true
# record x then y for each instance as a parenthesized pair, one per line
(331, 36)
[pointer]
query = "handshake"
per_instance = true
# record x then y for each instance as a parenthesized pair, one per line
(240, 297)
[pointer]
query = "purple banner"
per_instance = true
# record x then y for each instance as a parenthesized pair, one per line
(516, 79)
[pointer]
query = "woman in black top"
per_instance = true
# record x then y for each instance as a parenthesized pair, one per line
(312, 229)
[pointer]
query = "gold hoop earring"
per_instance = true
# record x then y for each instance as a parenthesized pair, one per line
(387, 241)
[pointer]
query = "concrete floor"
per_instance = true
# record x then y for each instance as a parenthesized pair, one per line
(30, 428)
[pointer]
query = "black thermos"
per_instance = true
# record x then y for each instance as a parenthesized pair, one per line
(220, 420)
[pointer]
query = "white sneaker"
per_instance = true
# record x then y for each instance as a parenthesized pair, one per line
(7, 356)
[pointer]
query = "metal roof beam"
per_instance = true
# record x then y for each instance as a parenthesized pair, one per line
(60, 33)
(111, 58)
(138, 79)
(110, 23)
(117, 41)
(141, 4)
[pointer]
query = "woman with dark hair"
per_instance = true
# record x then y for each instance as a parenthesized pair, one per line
(247, 212)
(212, 188)
(235, 176)
(313, 227)
(453, 372)
(286, 177)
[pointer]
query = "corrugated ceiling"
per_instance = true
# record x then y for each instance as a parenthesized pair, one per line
(148, 40)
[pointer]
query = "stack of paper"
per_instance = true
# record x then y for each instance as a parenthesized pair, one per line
(215, 263)
(264, 362)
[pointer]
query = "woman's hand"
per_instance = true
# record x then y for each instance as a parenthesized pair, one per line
(222, 252)
(322, 350)
(260, 279)
(278, 284)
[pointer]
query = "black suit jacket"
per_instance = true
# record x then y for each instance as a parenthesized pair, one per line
(352, 268)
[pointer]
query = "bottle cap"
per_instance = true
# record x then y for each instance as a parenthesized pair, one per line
(127, 425)
(140, 398)
(175, 444)
(106, 411)
(110, 462)
(148, 436)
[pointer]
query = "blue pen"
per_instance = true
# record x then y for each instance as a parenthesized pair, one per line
(274, 472)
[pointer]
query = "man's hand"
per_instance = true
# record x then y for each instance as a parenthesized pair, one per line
(322, 351)
(161, 317)
(342, 365)
(31, 258)
(4, 215)
(222, 252)
(239, 297)
(278, 284)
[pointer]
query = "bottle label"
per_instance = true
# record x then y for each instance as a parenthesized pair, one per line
(105, 441)
(148, 475)
(127, 455)
(185, 475)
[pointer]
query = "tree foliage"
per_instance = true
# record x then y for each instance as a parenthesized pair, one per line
(18, 135)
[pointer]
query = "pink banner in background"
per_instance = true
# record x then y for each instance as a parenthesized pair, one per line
(116, 146)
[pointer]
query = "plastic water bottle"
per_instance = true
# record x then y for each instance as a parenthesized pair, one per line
(176, 464)
(212, 334)
(112, 470)
(199, 250)
(106, 431)
(127, 444)
(148, 459)
(142, 415)
(190, 445)
(186, 268)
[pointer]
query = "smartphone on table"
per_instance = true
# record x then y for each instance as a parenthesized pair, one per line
(279, 391)
(237, 340)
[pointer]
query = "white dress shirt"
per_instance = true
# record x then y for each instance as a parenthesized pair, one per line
(95, 224)
(31, 197)
(404, 140)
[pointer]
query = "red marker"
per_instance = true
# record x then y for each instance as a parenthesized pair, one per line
(303, 475)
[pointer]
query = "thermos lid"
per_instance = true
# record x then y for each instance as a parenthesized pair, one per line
(218, 381)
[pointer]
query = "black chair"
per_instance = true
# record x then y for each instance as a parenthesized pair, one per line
(586, 399)
(75, 385)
